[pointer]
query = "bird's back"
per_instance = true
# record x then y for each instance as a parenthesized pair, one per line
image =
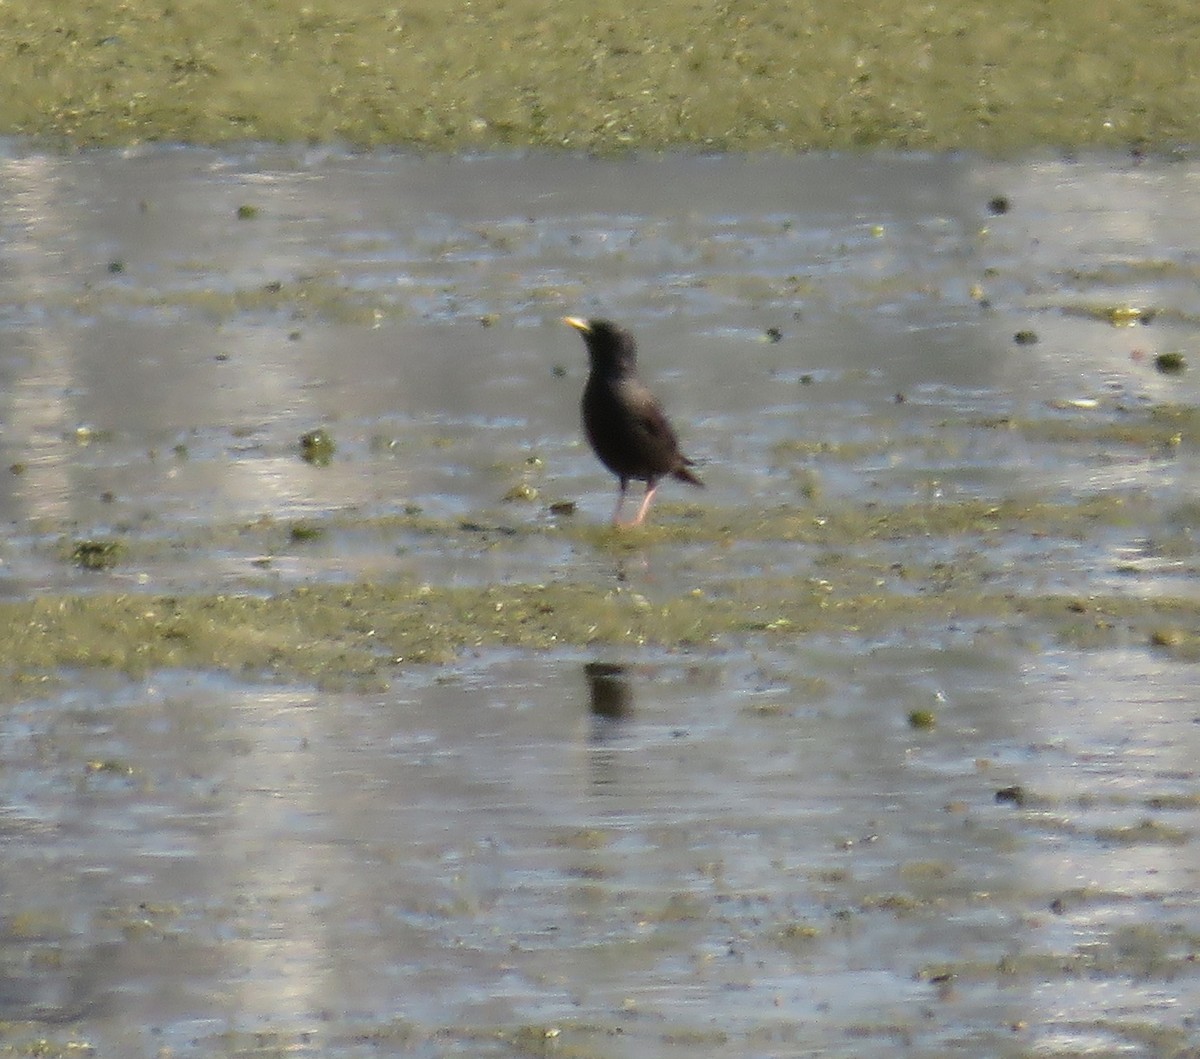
(628, 429)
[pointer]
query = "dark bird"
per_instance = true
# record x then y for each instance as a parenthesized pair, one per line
(624, 423)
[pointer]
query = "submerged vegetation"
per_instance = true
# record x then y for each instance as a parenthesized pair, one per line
(875, 570)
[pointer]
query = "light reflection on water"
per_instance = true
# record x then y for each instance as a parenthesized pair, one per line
(743, 850)
(491, 848)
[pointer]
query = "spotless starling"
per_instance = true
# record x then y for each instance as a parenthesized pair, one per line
(624, 422)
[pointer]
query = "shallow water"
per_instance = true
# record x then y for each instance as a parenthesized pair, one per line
(736, 848)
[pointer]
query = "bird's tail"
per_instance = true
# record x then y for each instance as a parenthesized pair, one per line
(684, 475)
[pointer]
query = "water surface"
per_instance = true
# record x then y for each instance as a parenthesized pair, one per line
(755, 845)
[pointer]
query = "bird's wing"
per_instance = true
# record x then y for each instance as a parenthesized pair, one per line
(650, 417)
(654, 421)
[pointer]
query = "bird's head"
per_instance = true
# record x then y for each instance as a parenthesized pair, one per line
(611, 349)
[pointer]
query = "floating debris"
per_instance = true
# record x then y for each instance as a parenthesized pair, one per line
(922, 720)
(1014, 795)
(1125, 315)
(1167, 637)
(116, 768)
(1170, 363)
(522, 492)
(1025, 338)
(97, 554)
(301, 532)
(317, 447)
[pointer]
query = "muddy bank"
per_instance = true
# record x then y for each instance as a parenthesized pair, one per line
(600, 77)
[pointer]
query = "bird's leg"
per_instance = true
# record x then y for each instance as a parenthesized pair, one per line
(616, 519)
(651, 489)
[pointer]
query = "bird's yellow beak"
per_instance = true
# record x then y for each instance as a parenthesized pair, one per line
(577, 322)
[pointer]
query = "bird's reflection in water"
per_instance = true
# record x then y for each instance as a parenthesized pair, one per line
(610, 704)
(611, 695)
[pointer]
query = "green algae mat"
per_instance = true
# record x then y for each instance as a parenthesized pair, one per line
(362, 633)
